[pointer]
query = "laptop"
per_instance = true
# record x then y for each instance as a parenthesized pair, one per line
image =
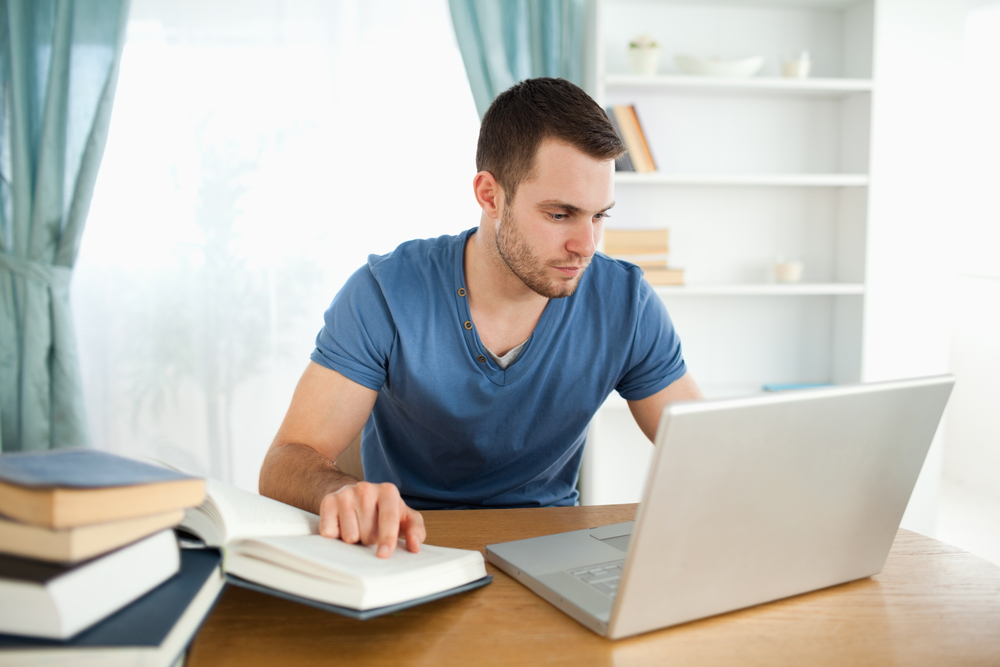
(748, 500)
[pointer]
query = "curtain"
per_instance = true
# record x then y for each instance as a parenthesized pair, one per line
(58, 74)
(506, 41)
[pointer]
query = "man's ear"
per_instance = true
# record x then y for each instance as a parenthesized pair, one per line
(488, 193)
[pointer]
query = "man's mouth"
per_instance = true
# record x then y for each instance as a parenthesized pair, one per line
(570, 271)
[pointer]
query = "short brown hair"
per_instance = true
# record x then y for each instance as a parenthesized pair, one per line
(526, 114)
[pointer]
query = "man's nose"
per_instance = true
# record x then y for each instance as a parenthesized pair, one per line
(582, 241)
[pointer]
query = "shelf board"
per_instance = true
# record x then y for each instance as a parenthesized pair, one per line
(768, 85)
(762, 289)
(795, 180)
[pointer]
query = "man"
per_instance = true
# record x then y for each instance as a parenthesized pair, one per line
(475, 362)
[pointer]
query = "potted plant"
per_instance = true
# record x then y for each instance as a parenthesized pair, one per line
(644, 54)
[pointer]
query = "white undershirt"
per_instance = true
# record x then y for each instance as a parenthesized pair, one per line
(507, 359)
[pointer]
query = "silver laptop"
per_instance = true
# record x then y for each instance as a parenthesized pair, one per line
(748, 500)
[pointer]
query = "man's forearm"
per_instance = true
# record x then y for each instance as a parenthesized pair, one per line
(300, 476)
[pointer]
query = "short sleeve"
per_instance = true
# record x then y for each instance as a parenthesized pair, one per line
(655, 360)
(358, 332)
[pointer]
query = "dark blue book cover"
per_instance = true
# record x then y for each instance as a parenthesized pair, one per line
(144, 624)
(81, 469)
(361, 615)
(624, 163)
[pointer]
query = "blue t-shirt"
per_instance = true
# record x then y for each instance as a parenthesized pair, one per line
(449, 427)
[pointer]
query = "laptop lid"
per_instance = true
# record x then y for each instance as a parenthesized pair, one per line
(754, 499)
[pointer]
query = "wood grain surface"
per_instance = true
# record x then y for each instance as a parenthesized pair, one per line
(932, 604)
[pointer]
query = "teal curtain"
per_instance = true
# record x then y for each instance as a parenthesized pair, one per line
(506, 41)
(58, 74)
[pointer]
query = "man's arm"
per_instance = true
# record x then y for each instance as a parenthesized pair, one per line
(647, 411)
(327, 412)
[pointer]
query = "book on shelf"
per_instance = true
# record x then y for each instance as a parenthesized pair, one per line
(153, 630)
(623, 163)
(624, 242)
(42, 599)
(646, 248)
(275, 548)
(630, 129)
(77, 487)
(664, 276)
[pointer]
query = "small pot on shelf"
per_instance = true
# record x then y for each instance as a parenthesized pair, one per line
(644, 55)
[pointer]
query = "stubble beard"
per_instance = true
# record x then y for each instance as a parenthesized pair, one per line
(523, 263)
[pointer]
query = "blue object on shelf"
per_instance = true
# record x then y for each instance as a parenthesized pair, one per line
(791, 386)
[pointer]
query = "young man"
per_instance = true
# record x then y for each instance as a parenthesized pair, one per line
(475, 362)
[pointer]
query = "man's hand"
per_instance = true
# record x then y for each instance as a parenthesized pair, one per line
(371, 514)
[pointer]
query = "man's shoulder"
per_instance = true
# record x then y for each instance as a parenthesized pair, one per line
(419, 256)
(612, 278)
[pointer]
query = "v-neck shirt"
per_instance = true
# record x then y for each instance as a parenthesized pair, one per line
(507, 358)
(450, 428)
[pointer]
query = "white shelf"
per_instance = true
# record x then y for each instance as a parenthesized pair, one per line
(762, 289)
(794, 180)
(768, 85)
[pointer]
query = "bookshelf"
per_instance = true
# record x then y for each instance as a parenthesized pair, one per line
(829, 87)
(763, 289)
(788, 179)
(749, 171)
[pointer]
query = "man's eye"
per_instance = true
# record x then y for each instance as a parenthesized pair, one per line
(558, 216)
(602, 216)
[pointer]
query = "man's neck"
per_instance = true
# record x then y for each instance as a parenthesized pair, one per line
(504, 309)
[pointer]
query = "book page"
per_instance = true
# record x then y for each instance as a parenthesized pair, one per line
(246, 514)
(337, 561)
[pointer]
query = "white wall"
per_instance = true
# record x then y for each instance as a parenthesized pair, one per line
(973, 437)
(970, 511)
(912, 204)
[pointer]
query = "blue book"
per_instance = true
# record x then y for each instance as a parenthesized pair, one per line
(66, 488)
(153, 630)
(80, 469)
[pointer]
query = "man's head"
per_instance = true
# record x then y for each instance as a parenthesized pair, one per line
(547, 141)
(526, 114)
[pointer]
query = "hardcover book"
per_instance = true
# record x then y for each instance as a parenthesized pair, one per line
(72, 545)
(154, 630)
(627, 122)
(56, 601)
(78, 487)
(276, 548)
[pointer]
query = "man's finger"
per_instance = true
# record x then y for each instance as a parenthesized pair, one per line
(329, 523)
(388, 520)
(412, 525)
(367, 495)
(347, 515)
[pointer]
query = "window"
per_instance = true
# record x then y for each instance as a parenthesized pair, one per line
(258, 153)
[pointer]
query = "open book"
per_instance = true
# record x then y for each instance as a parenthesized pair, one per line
(276, 548)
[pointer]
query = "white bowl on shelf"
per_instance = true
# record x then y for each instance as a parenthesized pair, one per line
(741, 68)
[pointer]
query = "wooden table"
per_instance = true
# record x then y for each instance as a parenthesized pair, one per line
(933, 604)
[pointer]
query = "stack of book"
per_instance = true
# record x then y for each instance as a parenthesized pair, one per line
(629, 129)
(89, 564)
(648, 249)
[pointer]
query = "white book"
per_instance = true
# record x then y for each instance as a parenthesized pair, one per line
(42, 599)
(275, 547)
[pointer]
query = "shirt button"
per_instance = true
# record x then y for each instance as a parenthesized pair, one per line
(461, 291)
(468, 324)
(482, 359)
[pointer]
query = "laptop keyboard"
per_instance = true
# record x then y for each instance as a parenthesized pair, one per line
(605, 577)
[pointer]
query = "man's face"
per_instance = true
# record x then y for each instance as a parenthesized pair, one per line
(549, 233)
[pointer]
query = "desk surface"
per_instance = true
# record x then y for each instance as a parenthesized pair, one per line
(932, 604)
